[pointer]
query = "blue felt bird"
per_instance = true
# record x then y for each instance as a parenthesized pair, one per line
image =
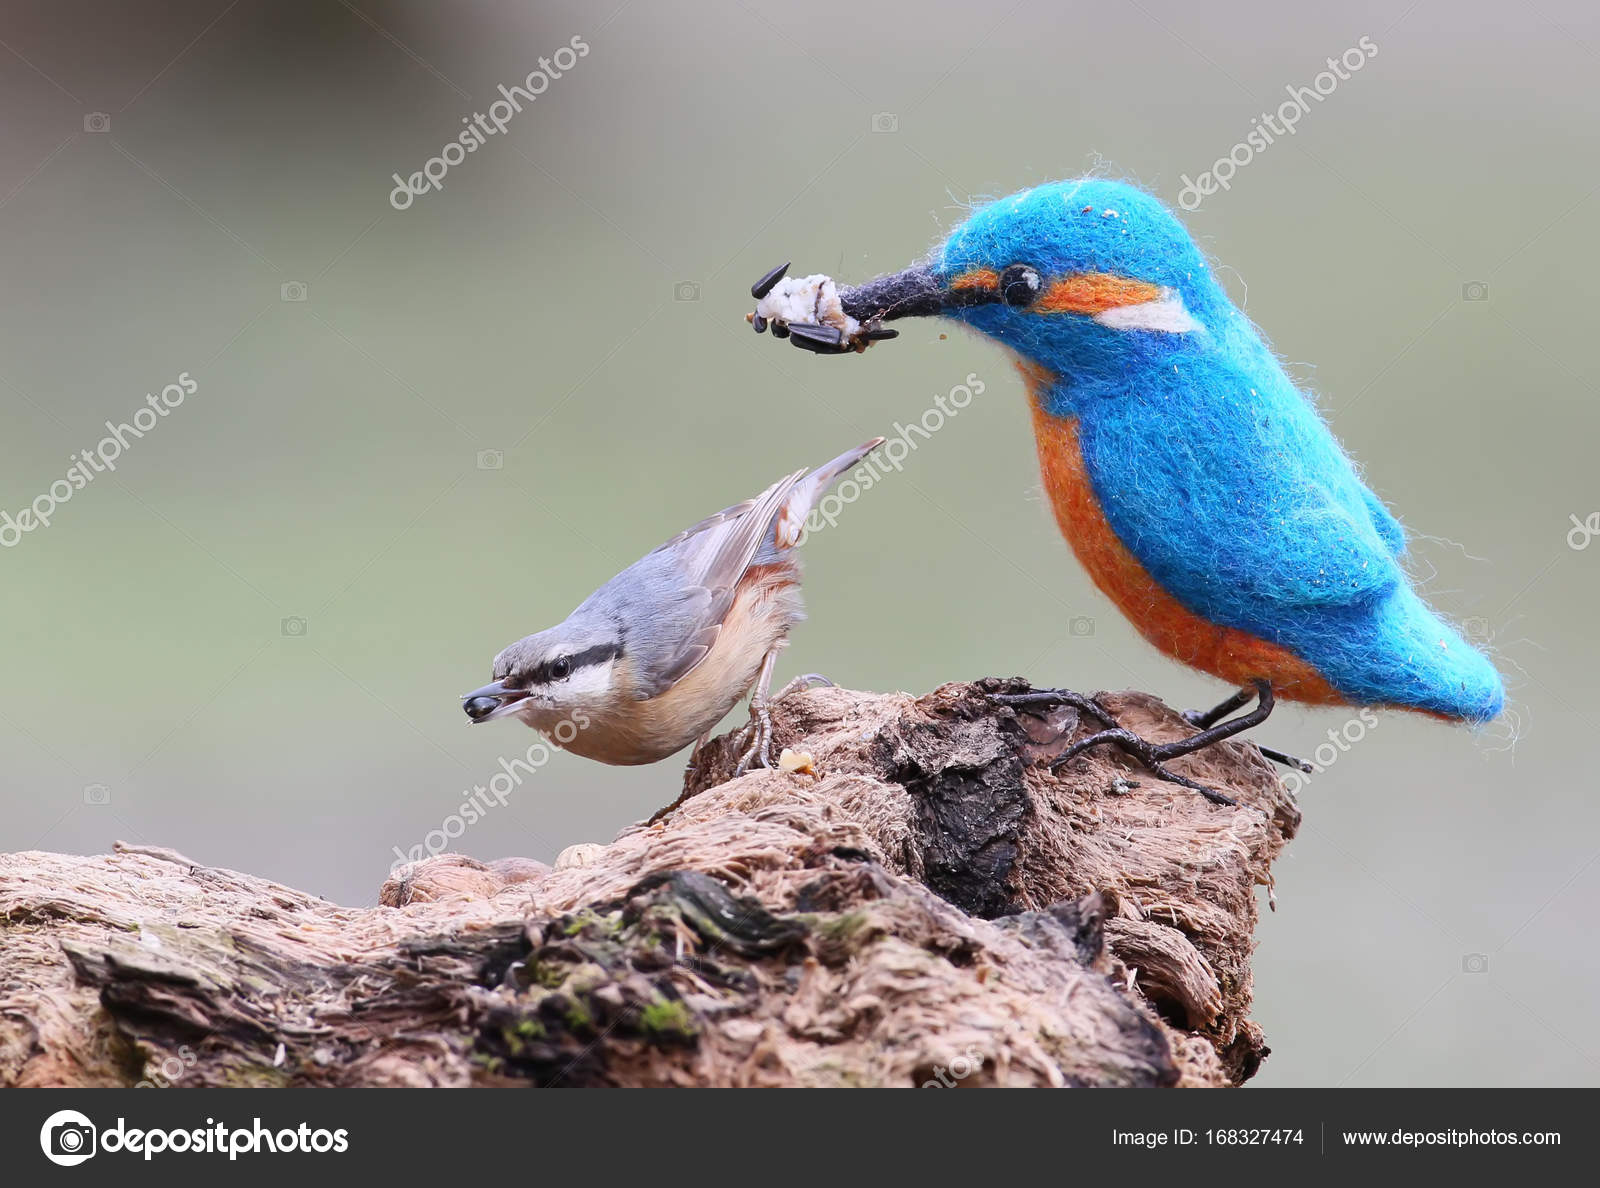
(1201, 490)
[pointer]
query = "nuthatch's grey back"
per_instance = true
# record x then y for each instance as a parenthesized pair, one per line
(653, 659)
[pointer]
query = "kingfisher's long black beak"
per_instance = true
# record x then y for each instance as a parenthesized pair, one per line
(481, 704)
(914, 293)
(918, 292)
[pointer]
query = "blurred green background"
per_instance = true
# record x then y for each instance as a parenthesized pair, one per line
(248, 642)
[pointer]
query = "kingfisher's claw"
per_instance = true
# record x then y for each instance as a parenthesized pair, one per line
(1152, 755)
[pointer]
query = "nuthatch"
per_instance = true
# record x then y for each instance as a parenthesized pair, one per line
(653, 659)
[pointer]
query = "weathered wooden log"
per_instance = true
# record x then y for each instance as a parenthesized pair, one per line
(920, 901)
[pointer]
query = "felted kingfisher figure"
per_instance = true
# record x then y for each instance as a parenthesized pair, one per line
(1198, 486)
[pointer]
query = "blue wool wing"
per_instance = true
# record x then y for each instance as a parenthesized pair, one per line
(1389, 528)
(1242, 505)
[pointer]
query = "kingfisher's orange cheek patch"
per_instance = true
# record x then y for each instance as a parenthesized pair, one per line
(1094, 293)
(982, 280)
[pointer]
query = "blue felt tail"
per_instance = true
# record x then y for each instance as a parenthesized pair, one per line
(1411, 657)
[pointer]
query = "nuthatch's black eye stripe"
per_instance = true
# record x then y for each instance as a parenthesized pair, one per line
(562, 667)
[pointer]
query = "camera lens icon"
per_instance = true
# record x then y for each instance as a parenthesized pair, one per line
(96, 121)
(67, 1138)
(293, 291)
(1080, 626)
(1475, 291)
(293, 626)
(491, 459)
(686, 291)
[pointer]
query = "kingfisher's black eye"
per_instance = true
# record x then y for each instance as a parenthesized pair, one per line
(560, 669)
(1019, 285)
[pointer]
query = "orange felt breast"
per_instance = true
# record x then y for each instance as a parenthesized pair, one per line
(1235, 656)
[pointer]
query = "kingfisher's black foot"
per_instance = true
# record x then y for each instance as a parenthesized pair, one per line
(1045, 699)
(1152, 755)
(1207, 718)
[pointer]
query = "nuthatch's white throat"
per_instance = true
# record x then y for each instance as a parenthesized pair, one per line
(654, 659)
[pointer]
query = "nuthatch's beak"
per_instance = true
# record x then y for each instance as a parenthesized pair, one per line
(491, 701)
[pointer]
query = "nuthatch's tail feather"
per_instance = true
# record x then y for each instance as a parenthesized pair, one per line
(803, 496)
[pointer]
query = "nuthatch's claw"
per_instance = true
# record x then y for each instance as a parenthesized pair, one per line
(760, 748)
(810, 680)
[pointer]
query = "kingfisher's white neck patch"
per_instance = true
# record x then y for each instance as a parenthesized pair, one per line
(1166, 314)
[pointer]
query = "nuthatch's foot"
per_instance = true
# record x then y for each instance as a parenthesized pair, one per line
(760, 732)
(808, 312)
(760, 726)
